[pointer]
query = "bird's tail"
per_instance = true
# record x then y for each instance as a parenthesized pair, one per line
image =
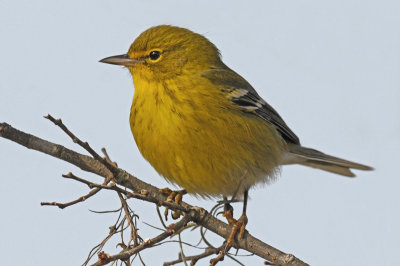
(313, 158)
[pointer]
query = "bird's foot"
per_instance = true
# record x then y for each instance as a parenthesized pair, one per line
(237, 226)
(173, 196)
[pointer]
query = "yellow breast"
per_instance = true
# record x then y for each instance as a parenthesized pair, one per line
(198, 139)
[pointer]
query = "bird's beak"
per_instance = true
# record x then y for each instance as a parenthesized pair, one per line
(123, 60)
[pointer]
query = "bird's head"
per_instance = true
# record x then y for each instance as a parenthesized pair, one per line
(164, 52)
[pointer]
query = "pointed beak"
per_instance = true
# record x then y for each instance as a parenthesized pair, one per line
(123, 60)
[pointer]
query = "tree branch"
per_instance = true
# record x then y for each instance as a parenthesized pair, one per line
(146, 192)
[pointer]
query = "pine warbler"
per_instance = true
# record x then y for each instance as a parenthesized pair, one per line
(203, 126)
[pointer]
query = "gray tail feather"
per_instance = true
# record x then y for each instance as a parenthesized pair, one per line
(316, 159)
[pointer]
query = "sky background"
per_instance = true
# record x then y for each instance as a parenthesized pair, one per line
(330, 68)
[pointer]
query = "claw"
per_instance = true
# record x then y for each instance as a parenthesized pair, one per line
(243, 220)
(173, 196)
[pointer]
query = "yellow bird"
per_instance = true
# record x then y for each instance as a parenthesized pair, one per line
(204, 127)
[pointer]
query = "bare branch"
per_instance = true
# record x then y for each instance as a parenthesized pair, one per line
(149, 193)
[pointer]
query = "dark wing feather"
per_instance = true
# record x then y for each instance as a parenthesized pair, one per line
(244, 95)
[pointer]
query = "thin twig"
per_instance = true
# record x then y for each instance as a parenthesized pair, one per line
(80, 199)
(160, 217)
(146, 244)
(111, 211)
(129, 218)
(98, 247)
(107, 157)
(85, 145)
(193, 259)
(114, 229)
(182, 254)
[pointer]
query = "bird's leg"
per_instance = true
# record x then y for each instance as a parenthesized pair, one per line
(173, 196)
(228, 211)
(243, 218)
(238, 225)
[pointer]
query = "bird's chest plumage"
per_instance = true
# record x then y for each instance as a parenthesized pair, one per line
(198, 142)
(156, 120)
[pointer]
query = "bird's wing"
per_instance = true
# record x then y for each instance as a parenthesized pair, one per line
(245, 96)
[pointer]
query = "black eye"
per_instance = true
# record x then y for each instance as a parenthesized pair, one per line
(154, 55)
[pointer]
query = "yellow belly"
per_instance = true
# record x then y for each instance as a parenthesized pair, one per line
(202, 143)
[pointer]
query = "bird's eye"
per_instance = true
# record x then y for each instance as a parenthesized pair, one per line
(154, 55)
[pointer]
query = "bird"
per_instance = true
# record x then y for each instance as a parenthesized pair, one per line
(202, 126)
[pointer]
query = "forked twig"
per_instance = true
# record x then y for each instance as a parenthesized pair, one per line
(85, 145)
(92, 192)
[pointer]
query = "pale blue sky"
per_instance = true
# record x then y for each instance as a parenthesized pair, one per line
(330, 68)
